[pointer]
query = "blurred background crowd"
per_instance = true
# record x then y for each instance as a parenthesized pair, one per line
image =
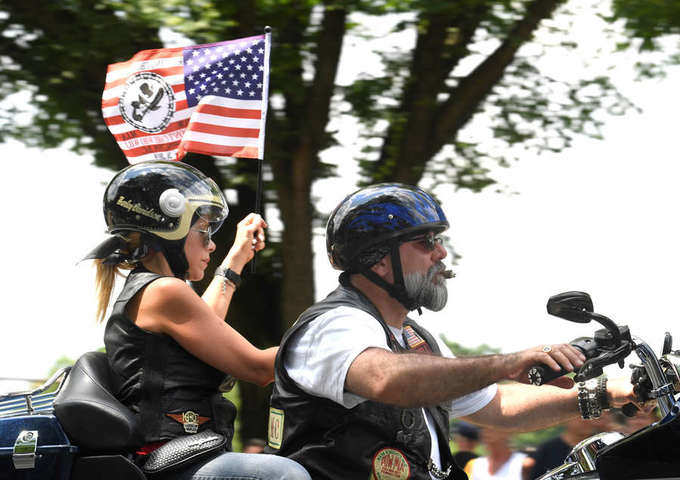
(489, 454)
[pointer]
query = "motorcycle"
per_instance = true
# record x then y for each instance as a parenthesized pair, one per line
(652, 452)
(80, 431)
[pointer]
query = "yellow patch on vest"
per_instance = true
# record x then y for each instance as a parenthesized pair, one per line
(390, 464)
(275, 431)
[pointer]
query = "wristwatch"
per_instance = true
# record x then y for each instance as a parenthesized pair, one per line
(229, 274)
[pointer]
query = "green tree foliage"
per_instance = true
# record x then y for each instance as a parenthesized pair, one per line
(526, 440)
(235, 397)
(466, 61)
(57, 52)
(522, 441)
(429, 94)
(462, 351)
(648, 20)
(60, 363)
(651, 28)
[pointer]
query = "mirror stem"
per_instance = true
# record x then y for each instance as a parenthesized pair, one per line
(609, 325)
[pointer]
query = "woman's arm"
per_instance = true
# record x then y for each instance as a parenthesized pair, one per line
(170, 306)
(249, 239)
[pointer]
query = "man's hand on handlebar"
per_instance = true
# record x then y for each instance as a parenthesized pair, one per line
(558, 357)
(620, 391)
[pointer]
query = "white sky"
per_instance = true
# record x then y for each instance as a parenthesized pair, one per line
(600, 217)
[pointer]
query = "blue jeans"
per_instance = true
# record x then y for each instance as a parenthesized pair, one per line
(242, 466)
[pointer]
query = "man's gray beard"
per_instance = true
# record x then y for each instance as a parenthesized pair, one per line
(428, 290)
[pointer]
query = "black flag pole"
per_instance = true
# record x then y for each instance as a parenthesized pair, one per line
(258, 205)
(260, 160)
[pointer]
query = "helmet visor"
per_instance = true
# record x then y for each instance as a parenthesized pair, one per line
(213, 214)
(203, 199)
(211, 205)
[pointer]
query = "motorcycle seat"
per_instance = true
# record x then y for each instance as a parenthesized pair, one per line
(89, 412)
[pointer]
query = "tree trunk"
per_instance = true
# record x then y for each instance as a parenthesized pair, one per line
(466, 98)
(424, 124)
(296, 173)
(255, 308)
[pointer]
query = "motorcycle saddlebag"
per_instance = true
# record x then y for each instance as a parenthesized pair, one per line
(34, 447)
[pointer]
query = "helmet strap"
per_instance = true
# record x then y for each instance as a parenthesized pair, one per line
(396, 290)
(173, 251)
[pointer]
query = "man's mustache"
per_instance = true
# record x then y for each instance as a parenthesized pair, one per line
(440, 268)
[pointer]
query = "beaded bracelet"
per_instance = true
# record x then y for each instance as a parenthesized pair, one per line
(592, 397)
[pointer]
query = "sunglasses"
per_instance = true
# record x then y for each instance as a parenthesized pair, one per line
(429, 241)
(206, 236)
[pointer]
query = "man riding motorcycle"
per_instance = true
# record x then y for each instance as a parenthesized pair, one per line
(363, 391)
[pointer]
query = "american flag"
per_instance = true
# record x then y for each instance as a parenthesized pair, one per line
(209, 99)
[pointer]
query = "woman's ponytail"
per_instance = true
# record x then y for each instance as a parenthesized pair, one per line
(106, 273)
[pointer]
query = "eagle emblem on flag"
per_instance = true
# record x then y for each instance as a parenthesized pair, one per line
(147, 103)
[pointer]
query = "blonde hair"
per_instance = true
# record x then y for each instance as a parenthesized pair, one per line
(105, 277)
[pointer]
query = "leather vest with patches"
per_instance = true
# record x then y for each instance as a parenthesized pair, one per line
(174, 392)
(371, 440)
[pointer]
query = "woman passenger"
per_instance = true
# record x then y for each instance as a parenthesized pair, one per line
(172, 349)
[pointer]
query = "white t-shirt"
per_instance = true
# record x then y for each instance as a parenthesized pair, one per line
(320, 354)
(511, 470)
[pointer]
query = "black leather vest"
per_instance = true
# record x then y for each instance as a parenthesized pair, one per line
(174, 392)
(371, 440)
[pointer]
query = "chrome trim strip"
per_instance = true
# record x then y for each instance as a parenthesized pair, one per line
(33, 401)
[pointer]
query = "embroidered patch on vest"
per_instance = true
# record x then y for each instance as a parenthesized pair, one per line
(189, 420)
(415, 341)
(390, 464)
(275, 432)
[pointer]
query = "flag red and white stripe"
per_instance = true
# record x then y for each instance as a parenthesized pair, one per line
(209, 99)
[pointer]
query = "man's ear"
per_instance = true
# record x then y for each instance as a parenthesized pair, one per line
(383, 267)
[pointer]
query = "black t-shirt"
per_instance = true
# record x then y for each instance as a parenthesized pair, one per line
(462, 457)
(548, 455)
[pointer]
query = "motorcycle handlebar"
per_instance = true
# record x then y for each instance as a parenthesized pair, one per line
(541, 374)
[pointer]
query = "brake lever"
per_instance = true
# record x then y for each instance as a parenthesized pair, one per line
(593, 367)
